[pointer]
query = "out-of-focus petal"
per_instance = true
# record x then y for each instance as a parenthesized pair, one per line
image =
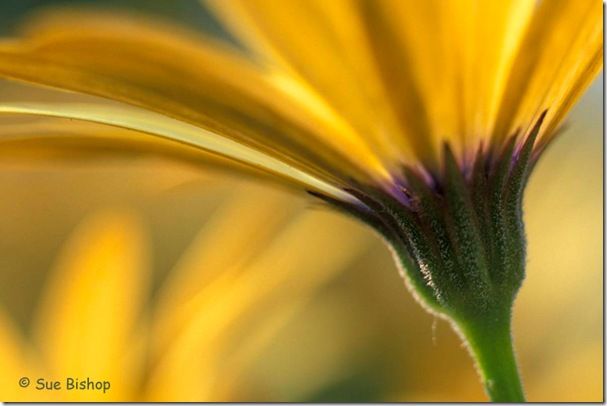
(89, 313)
(247, 303)
(258, 218)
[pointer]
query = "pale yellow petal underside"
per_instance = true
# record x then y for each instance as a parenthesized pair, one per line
(69, 141)
(147, 122)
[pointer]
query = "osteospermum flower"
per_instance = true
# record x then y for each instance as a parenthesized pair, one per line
(198, 336)
(422, 119)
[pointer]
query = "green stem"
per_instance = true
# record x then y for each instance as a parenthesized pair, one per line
(490, 343)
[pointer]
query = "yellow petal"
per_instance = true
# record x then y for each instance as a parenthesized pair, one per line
(451, 70)
(324, 45)
(559, 57)
(147, 122)
(447, 61)
(437, 65)
(90, 309)
(145, 64)
(72, 141)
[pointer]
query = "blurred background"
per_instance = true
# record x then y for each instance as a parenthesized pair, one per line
(177, 283)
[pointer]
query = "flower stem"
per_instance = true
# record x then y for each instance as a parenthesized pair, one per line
(490, 342)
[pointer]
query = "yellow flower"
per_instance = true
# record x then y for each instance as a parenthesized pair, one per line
(423, 119)
(195, 338)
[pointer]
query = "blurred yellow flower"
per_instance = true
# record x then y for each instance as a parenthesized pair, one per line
(194, 338)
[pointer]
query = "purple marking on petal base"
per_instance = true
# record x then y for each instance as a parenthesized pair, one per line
(517, 151)
(518, 147)
(396, 191)
(468, 159)
(489, 155)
